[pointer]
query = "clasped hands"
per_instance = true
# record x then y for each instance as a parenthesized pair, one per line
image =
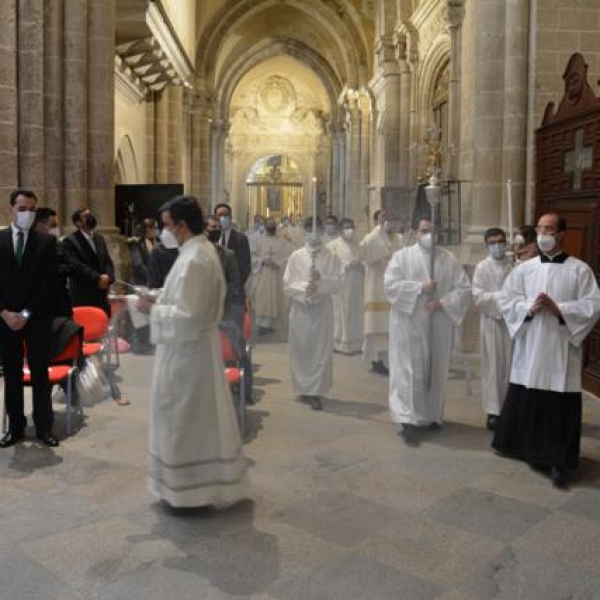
(433, 304)
(14, 320)
(544, 302)
(313, 282)
(145, 304)
(269, 262)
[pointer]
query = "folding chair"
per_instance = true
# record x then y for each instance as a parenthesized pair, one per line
(96, 340)
(235, 374)
(63, 368)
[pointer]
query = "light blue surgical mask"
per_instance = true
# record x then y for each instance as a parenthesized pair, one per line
(225, 222)
(497, 251)
(330, 228)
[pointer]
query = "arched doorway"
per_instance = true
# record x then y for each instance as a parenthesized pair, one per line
(274, 188)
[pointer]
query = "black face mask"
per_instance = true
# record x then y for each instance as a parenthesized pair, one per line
(271, 230)
(91, 221)
(214, 236)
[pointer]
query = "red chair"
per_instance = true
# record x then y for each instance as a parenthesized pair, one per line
(62, 368)
(96, 331)
(235, 374)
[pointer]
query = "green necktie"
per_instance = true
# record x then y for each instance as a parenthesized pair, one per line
(20, 247)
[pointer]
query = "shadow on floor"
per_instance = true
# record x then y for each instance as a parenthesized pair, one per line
(254, 423)
(356, 410)
(222, 546)
(457, 436)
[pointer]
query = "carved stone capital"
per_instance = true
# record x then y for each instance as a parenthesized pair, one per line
(455, 13)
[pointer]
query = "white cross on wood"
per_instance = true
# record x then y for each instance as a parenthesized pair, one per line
(578, 160)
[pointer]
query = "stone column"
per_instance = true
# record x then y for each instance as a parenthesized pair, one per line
(101, 126)
(488, 120)
(200, 158)
(404, 179)
(174, 146)
(30, 74)
(456, 14)
(76, 85)
(515, 107)
(151, 102)
(54, 174)
(217, 171)
(8, 102)
(360, 214)
(161, 140)
(353, 165)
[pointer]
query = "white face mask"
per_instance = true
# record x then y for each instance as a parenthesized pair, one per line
(168, 239)
(426, 240)
(546, 243)
(348, 234)
(25, 220)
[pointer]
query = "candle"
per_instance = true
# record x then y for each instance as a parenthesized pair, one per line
(510, 210)
(314, 206)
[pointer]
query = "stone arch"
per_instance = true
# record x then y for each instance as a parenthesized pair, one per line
(126, 168)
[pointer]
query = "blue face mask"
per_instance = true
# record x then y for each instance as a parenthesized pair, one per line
(225, 222)
(497, 251)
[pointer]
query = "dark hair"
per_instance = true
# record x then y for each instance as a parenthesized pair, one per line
(493, 232)
(346, 221)
(376, 214)
(561, 222)
(331, 217)
(223, 205)
(529, 234)
(213, 218)
(309, 221)
(43, 213)
(21, 192)
(76, 216)
(186, 209)
(417, 221)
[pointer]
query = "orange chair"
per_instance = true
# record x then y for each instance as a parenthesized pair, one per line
(96, 325)
(235, 376)
(62, 368)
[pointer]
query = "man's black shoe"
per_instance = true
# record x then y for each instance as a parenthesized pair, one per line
(558, 476)
(315, 403)
(492, 422)
(48, 439)
(11, 438)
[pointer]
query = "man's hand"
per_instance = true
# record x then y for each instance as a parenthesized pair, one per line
(104, 282)
(544, 302)
(433, 306)
(314, 275)
(429, 286)
(145, 304)
(268, 262)
(13, 320)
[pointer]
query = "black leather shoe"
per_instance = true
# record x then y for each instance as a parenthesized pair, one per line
(492, 422)
(558, 476)
(315, 403)
(11, 438)
(48, 439)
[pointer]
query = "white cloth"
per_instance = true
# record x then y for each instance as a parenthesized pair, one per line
(138, 319)
(348, 305)
(496, 344)
(311, 320)
(377, 248)
(411, 348)
(548, 355)
(268, 300)
(195, 448)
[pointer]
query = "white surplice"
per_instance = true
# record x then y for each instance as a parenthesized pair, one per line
(377, 248)
(547, 354)
(195, 448)
(268, 300)
(348, 305)
(411, 349)
(496, 343)
(311, 320)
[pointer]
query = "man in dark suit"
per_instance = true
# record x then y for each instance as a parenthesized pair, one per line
(92, 268)
(27, 292)
(235, 241)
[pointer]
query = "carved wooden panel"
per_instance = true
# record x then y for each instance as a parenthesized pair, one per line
(568, 181)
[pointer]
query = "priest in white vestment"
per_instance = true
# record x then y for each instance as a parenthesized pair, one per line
(348, 305)
(269, 258)
(196, 456)
(550, 304)
(496, 343)
(377, 248)
(425, 312)
(312, 276)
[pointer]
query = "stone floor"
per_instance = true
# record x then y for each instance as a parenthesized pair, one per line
(340, 508)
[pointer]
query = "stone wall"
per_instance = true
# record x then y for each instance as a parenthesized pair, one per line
(564, 27)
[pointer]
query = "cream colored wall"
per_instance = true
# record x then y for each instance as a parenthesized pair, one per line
(564, 27)
(182, 15)
(130, 120)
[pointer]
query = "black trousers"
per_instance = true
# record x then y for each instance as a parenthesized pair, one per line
(37, 336)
